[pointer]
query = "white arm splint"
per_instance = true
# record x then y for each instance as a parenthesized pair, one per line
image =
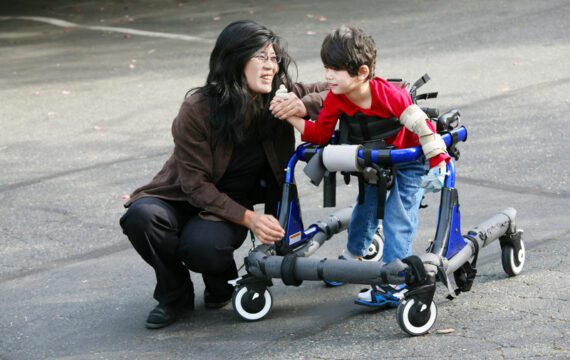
(414, 119)
(341, 158)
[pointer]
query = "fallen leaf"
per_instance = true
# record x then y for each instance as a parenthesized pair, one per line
(445, 331)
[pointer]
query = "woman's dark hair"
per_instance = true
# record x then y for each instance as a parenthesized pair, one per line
(230, 102)
(348, 48)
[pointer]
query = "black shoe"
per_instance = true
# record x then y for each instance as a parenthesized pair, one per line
(164, 315)
(215, 302)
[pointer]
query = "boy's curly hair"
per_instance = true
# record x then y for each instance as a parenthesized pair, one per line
(348, 48)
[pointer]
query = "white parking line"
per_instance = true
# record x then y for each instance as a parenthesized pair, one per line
(67, 24)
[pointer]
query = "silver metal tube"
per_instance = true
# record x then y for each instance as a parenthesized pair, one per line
(361, 272)
(495, 227)
(351, 271)
(484, 233)
(335, 223)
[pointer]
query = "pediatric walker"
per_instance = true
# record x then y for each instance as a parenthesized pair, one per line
(451, 258)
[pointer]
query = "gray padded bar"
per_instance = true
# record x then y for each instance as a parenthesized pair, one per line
(485, 233)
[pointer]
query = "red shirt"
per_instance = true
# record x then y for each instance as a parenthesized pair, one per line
(388, 100)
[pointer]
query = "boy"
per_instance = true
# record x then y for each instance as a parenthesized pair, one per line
(375, 110)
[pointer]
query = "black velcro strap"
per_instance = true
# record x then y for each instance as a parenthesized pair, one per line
(381, 188)
(346, 177)
(476, 246)
(360, 188)
(320, 268)
(367, 157)
(288, 270)
(417, 268)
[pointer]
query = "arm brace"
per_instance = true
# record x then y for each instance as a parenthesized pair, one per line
(414, 119)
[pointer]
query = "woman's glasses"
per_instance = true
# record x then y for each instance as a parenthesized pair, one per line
(263, 58)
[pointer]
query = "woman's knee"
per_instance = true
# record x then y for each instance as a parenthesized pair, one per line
(208, 247)
(148, 214)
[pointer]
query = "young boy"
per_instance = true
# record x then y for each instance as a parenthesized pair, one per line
(374, 106)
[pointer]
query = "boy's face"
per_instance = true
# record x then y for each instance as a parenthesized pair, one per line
(340, 81)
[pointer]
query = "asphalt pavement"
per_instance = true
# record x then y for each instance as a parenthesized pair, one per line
(88, 91)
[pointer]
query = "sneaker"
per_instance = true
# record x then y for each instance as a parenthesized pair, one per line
(381, 296)
(347, 255)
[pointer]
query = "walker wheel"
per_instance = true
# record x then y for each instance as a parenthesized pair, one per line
(415, 317)
(252, 304)
(376, 248)
(513, 261)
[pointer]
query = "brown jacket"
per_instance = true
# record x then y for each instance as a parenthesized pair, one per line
(200, 159)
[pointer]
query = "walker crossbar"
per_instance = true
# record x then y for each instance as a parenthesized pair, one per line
(262, 264)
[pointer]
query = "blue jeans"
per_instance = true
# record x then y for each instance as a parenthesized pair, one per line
(400, 214)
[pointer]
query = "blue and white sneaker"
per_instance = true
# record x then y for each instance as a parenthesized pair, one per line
(381, 296)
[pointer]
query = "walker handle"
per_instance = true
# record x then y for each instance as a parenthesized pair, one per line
(395, 156)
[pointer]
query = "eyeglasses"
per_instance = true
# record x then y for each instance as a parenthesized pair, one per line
(263, 58)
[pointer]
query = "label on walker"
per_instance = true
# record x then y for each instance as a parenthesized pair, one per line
(295, 238)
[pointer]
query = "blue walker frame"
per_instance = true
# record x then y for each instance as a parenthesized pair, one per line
(451, 257)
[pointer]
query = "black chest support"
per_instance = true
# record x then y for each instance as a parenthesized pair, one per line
(364, 129)
(371, 132)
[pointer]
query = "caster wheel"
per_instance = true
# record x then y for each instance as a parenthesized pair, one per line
(416, 318)
(376, 248)
(252, 304)
(513, 261)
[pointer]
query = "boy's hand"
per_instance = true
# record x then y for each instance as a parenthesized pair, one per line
(285, 105)
(433, 181)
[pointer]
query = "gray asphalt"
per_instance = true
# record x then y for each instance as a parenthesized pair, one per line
(86, 115)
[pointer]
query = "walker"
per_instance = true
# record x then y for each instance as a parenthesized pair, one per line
(450, 259)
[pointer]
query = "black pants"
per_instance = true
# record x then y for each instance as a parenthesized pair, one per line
(172, 238)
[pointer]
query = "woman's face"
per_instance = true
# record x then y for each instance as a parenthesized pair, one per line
(260, 70)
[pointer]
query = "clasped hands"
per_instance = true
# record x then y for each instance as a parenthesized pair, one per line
(286, 104)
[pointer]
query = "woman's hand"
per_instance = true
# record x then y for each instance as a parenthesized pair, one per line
(284, 108)
(266, 228)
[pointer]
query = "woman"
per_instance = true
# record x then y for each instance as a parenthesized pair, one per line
(229, 154)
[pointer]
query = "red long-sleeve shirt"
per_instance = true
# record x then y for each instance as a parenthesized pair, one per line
(388, 100)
